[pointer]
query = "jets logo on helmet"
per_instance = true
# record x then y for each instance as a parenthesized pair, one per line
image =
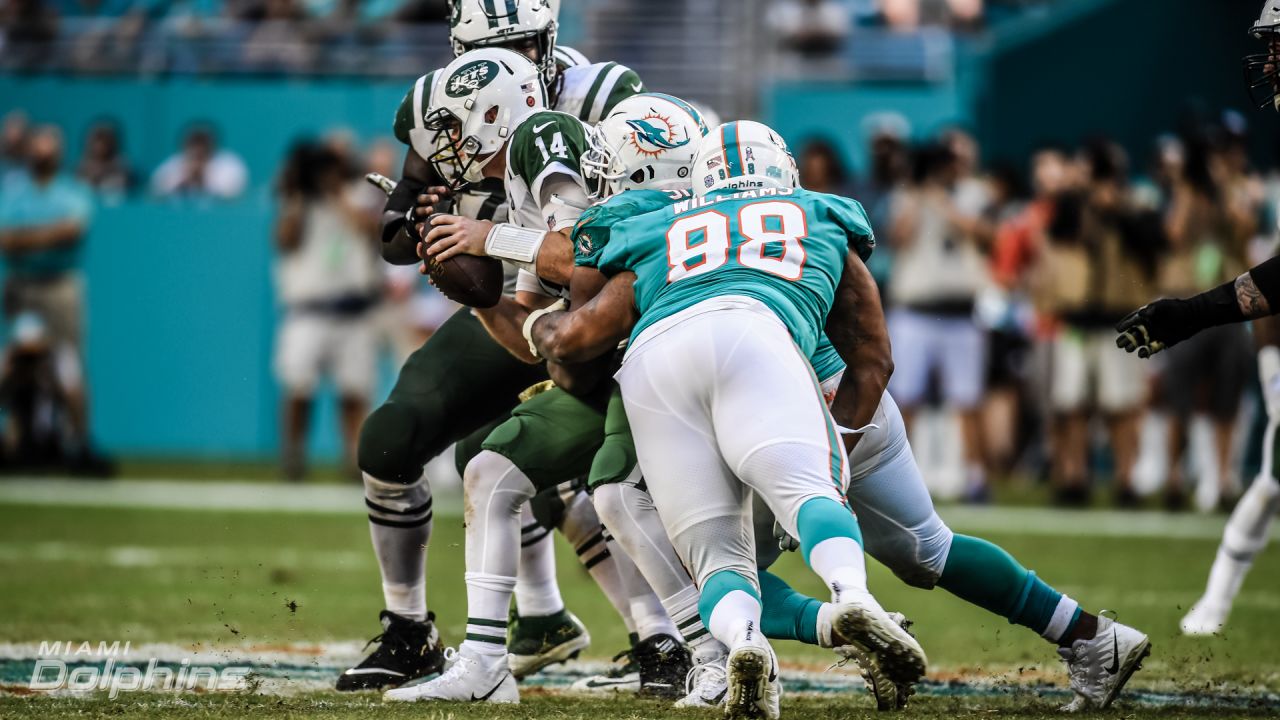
(473, 113)
(654, 134)
(647, 141)
(471, 77)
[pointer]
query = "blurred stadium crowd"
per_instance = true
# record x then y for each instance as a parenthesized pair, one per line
(1002, 279)
(1004, 283)
(369, 36)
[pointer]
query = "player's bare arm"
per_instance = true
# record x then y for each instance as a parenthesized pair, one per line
(505, 321)
(1165, 323)
(593, 330)
(582, 378)
(857, 329)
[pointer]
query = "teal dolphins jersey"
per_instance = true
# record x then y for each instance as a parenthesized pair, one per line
(783, 247)
(591, 233)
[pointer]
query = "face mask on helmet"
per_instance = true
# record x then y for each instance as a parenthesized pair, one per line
(649, 141)
(1262, 70)
(459, 157)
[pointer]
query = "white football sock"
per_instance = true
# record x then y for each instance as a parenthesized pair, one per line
(488, 597)
(683, 609)
(649, 615)
(400, 528)
(537, 590)
(733, 615)
(1246, 534)
(840, 564)
(582, 528)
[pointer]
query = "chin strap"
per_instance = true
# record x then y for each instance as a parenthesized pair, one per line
(527, 330)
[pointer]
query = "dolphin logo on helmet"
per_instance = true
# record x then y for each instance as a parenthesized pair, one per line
(646, 132)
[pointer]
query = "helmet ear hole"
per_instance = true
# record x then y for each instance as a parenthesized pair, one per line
(491, 115)
(638, 177)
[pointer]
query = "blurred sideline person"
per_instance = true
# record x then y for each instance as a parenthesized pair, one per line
(938, 270)
(328, 281)
(44, 216)
(1253, 294)
(1096, 259)
(200, 169)
(33, 399)
(1209, 223)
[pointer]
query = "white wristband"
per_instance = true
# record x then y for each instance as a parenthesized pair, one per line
(515, 244)
(527, 330)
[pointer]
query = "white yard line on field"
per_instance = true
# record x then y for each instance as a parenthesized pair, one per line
(234, 496)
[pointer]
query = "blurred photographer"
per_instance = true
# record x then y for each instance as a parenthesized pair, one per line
(32, 398)
(329, 284)
(1097, 259)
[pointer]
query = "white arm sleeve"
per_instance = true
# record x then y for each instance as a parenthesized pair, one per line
(562, 200)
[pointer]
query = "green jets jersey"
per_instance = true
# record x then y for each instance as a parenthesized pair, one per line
(589, 92)
(543, 144)
(783, 247)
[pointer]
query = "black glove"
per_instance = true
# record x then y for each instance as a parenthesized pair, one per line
(1152, 328)
(1165, 323)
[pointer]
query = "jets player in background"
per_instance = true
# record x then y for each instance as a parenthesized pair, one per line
(462, 380)
(1251, 296)
(555, 436)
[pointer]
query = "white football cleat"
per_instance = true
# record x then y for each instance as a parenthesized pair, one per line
(1100, 667)
(707, 683)
(1204, 618)
(471, 678)
(859, 628)
(753, 689)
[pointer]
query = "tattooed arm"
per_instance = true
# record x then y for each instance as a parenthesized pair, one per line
(1165, 323)
(1253, 303)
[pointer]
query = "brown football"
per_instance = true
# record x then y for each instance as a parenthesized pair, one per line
(468, 279)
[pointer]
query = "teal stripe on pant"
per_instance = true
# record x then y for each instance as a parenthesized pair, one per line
(787, 614)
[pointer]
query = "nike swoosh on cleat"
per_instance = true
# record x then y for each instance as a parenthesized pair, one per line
(593, 683)
(489, 694)
(371, 671)
(1115, 654)
(543, 126)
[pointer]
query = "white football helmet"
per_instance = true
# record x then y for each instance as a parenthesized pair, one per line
(519, 25)
(647, 141)
(744, 154)
(1262, 70)
(476, 106)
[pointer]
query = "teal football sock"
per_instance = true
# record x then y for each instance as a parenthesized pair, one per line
(821, 519)
(788, 615)
(987, 576)
(719, 585)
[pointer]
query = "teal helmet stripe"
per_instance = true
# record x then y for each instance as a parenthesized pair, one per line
(693, 112)
(732, 153)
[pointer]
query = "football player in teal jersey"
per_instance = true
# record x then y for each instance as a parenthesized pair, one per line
(727, 295)
(902, 529)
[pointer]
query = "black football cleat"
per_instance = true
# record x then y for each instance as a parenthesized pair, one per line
(407, 650)
(664, 664)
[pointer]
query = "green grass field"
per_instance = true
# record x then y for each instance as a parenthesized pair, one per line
(248, 581)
